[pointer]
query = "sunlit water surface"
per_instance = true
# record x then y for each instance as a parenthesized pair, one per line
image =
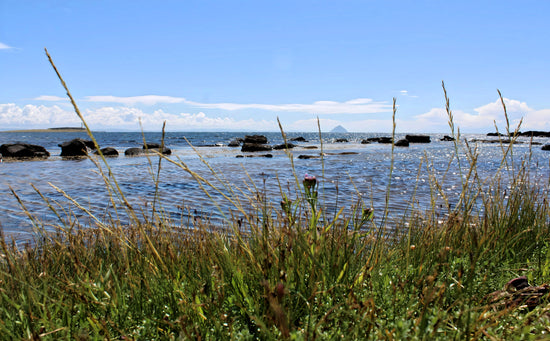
(347, 172)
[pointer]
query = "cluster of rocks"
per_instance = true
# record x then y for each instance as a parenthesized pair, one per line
(403, 142)
(23, 150)
(147, 148)
(529, 133)
(72, 149)
(508, 140)
(259, 143)
(504, 141)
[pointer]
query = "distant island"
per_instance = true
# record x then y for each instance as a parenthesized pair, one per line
(48, 130)
(339, 129)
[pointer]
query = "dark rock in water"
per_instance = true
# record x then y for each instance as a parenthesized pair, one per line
(305, 157)
(341, 140)
(447, 138)
(165, 150)
(507, 141)
(402, 143)
(255, 155)
(418, 138)
(342, 153)
(239, 156)
(298, 139)
(366, 141)
(255, 147)
(495, 134)
(23, 150)
(546, 147)
(134, 151)
(74, 147)
(155, 147)
(535, 133)
(371, 140)
(151, 146)
(284, 146)
(235, 142)
(255, 143)
(108, 151)
(310, 147)
(255, 139)
(385, 140)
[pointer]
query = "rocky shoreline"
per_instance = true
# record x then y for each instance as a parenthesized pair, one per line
(249, 144)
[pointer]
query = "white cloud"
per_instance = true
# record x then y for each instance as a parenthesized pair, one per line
(486, 115)
(4, 46)
(514, 108)
(12, 115)
(50, 98)
(133, 100)
(406, 94)
(128, 118)
(32, 116)
(354, 106)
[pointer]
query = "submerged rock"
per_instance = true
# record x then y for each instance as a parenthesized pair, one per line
(134, 151)
(385, 140)
(155, 147)
(298, 139)
(23, 150)
(306, 156)
(402, 143)
(108, 151)
(151, 145)
(165, 150)
(507, 141)
(235, 142)
(447, 138)
(284, 146)
(546, 147)
(255, 147)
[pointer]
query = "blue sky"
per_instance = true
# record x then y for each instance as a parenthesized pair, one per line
(238, 65)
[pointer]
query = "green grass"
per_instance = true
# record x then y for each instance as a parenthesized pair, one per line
(286, 271)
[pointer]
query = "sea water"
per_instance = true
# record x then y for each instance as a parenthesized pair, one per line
(348, 173)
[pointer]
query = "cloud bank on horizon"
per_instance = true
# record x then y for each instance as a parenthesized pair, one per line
(139, 112)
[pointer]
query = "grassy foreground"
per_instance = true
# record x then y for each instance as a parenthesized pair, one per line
(284, 273)
(288, 271)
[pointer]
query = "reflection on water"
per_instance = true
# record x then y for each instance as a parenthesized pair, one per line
(363, 172)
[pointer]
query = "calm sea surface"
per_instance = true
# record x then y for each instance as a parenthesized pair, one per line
(348, 171)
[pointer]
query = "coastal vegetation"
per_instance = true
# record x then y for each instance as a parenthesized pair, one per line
(287, 269)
